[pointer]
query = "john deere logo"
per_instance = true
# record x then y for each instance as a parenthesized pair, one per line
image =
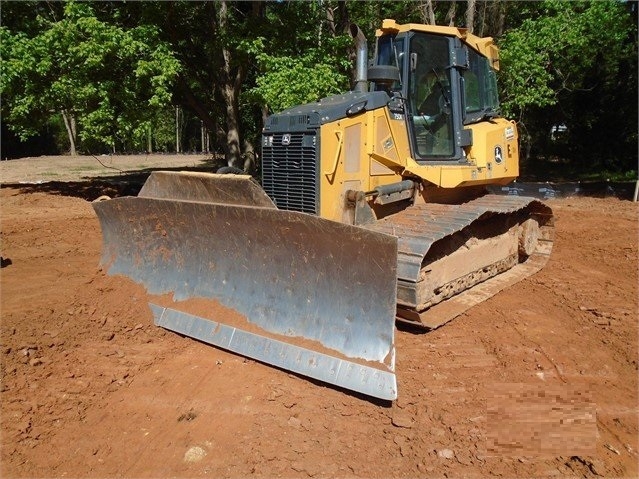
(286, 139)
(498, 155)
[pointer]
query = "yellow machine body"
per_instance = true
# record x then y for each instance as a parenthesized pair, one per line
(372, 150)
(371, 208)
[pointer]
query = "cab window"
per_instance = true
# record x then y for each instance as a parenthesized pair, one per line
(430, 97)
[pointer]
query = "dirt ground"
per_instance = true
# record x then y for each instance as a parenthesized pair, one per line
(539, 381)
(44, 169)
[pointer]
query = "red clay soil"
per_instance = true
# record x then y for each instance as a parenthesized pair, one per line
(541, 380)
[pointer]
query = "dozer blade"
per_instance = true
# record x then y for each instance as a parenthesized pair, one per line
(318, 296)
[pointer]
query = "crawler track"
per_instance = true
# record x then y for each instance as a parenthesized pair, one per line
(428, 233)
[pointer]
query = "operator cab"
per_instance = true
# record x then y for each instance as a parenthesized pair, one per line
(444, 84)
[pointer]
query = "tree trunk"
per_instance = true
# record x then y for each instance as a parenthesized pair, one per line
(427, 12)
(69, 124)
(343, 18)
(201, 136)
(482, 20)
(220, 137)
(204, 136)
(450, 16)
(329, 19)
(178, 146)
(250, 157)
(195, 104)
(470, 15)
(233, 149)
(229, 86)
(500, 14)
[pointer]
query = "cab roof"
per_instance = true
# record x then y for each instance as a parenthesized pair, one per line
(482, 45)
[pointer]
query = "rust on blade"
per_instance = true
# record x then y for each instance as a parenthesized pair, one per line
(293, 275)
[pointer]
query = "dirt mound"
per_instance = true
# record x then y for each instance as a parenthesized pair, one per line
(540, 380)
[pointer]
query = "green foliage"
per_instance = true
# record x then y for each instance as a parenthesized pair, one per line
(109, 79)
(286, 81)
(575, 64)
(117, 68)
(551, 53)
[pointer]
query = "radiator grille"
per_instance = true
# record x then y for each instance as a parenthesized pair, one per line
(289, 170)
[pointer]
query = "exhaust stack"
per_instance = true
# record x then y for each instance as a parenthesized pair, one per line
(361, 65)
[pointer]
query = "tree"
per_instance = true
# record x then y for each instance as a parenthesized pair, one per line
(233, 73)
(107, 83)
(210, 39)
(113, 73)
(470, 16)
(575, 65)
(311, 62)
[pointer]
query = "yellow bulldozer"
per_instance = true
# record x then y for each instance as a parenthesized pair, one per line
(372, 209)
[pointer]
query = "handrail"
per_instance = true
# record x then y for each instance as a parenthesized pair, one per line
(332, 171)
